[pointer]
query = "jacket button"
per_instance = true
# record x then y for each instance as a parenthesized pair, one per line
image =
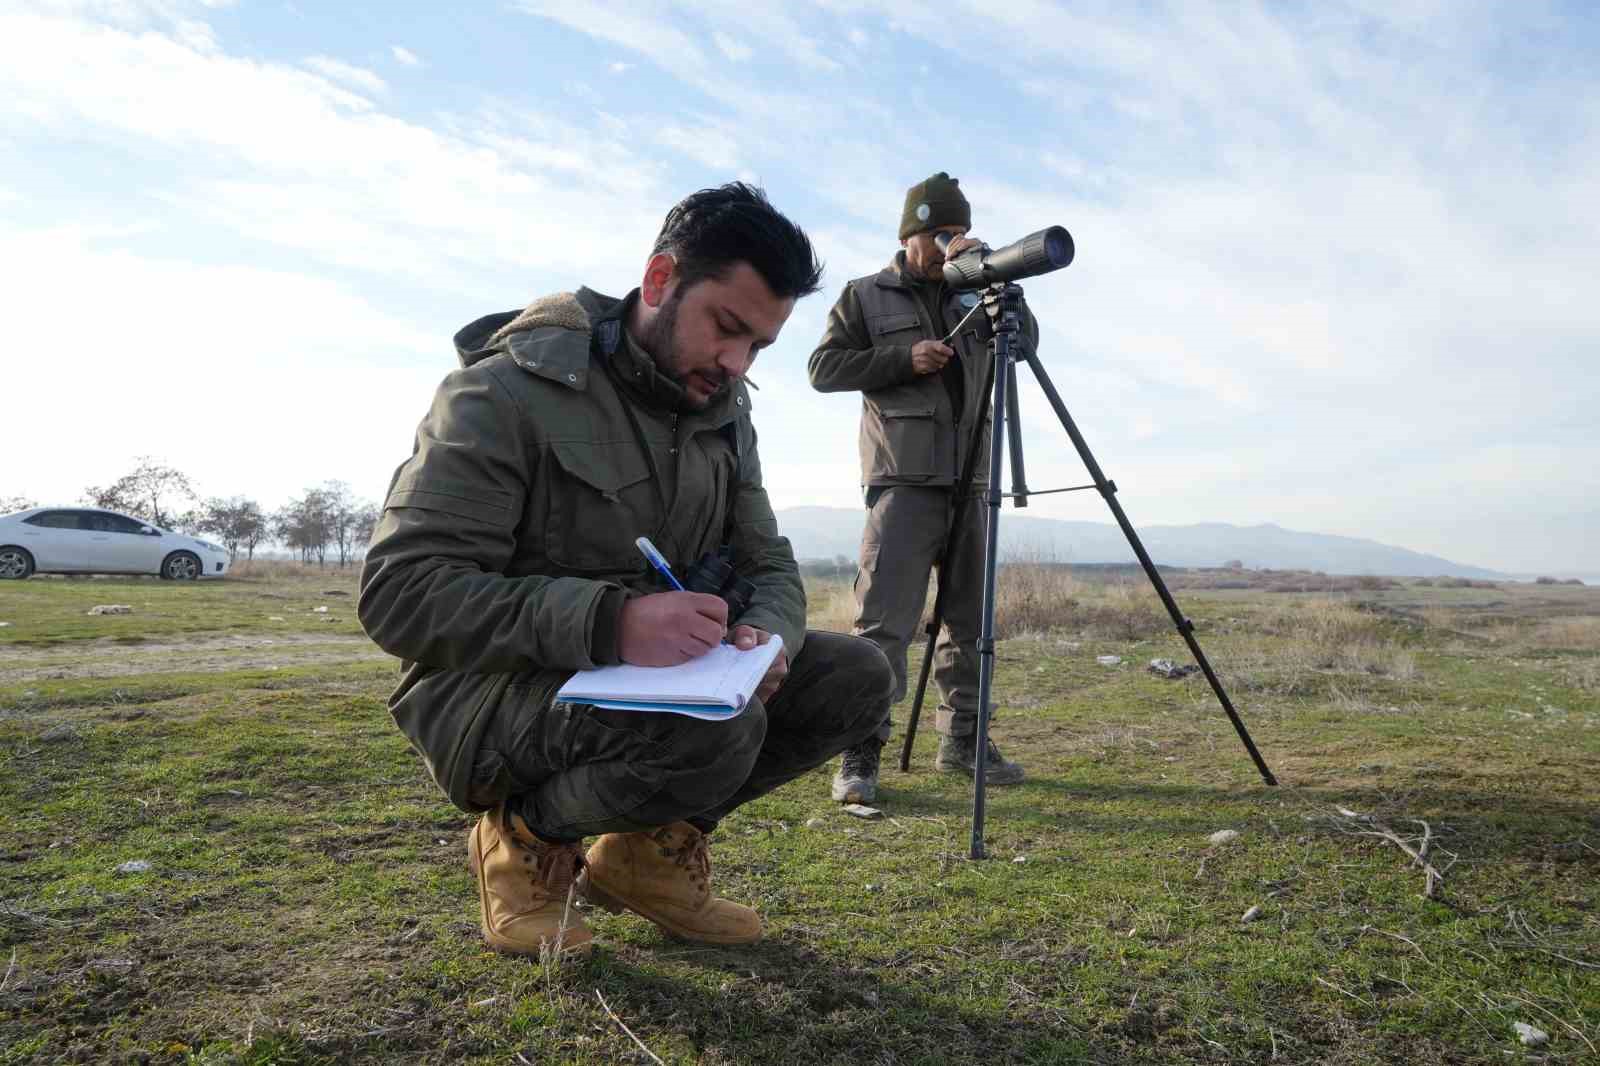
(572, 377)
(739, 400)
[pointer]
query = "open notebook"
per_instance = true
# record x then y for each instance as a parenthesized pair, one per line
(716, 685)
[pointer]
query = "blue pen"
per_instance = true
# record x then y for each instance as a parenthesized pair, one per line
(655, 559)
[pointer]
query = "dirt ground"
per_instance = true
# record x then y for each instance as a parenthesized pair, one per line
(204, 654)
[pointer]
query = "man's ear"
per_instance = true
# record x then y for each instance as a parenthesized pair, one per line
(660, 274)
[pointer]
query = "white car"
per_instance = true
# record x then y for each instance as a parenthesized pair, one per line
(82, 540)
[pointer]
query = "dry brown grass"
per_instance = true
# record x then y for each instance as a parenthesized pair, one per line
(1580, 633)
(1030, 599)
(273, 570)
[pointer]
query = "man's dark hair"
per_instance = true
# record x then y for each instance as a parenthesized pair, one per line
(711, 230)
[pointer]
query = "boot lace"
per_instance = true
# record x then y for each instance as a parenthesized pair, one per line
(862, 760)
(693, 855)
(556, 866)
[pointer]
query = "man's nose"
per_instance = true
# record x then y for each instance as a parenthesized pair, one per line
(736, 359)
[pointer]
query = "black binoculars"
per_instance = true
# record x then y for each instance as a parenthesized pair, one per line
(713, 574)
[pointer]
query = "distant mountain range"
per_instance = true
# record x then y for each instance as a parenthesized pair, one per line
(824, 532)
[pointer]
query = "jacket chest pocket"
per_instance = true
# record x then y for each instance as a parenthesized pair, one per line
(898, 328)
(599, 499)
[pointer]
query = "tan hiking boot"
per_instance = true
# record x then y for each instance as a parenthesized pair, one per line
(665, 875)
(525, 888)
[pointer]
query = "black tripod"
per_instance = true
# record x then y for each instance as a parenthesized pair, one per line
(1003, 305)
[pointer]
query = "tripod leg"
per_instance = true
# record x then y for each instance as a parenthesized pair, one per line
(991, 542)
(1108, 490)
(952, 541)
(922, 687)
(1019, 476)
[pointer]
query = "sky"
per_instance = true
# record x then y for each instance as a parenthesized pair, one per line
(1336, 261)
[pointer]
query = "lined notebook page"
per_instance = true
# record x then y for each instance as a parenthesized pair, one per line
(723, 676)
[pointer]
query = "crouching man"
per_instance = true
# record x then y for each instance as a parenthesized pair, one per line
(505, 560)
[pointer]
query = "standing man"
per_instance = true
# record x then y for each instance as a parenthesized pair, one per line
(890, 338)
(505, 560)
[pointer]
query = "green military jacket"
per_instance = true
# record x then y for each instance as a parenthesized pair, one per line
(910, 434)
(506, 545)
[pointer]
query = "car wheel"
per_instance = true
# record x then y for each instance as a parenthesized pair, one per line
(15, 564)
(181, 566)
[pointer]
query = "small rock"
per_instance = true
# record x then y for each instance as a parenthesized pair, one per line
(814, 823)
(134, 866)
(1530, 1036)
(1108, 660)
(857, 810)
(57, 734)
(320, 610)
(1252, 914)
(869, 888)
(274, 617)
(111, 608)
(1224, 836)
(1166, 668)
(4, 625)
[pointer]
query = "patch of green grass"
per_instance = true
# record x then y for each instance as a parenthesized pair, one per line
(307, 899)
(50, 610)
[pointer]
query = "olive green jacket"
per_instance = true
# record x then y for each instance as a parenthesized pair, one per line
(910, 434)
(506, 545)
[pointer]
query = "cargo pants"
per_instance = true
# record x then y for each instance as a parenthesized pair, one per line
(572, 770)
(902, 543)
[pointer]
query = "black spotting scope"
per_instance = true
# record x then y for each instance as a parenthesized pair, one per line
(978, 268)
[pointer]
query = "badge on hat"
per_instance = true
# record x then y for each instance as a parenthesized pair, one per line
(923, 211)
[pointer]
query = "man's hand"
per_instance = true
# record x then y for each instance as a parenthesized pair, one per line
(960, 244)
(745, 637)
(929, 357)
(669, 628)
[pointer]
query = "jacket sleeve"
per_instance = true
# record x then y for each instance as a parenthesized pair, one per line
(846, 359)
(763, 557)
(434, 588)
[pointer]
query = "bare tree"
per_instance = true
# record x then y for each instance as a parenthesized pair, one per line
(303, 524)
(366, 525)
(237, 522)
(350, 520)
(148, 491)
(9, 504)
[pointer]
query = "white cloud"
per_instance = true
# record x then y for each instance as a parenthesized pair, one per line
(709, 143)
(731, 48)
(405, 56)
(355, 77)
(330, 174)
(620, 68)
(254, 381)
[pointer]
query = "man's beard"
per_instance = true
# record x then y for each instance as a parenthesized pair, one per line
(660, 341)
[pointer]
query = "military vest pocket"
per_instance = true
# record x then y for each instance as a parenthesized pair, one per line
(599, 500)
(908, 440)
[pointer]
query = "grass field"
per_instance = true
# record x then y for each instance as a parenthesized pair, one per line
(306, 897)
